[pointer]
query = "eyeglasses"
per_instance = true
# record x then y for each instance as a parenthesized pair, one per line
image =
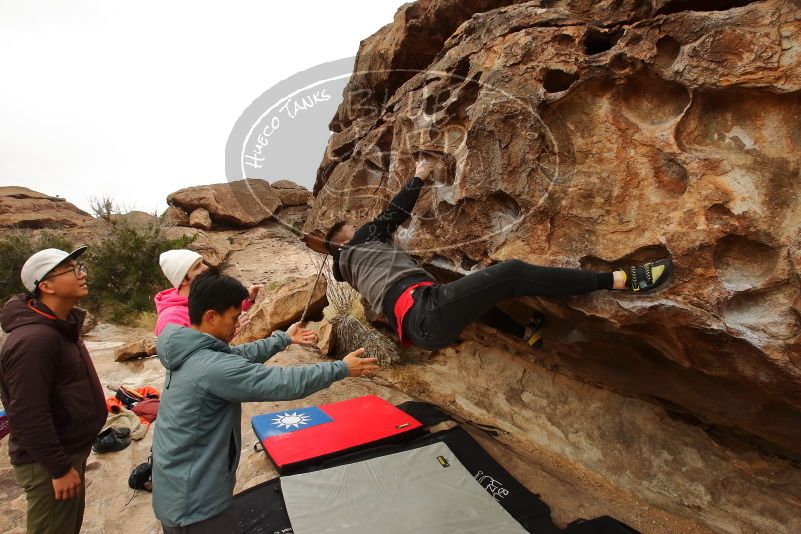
(77, 271)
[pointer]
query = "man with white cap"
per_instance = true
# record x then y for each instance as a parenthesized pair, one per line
(180, 267)
(50, 390)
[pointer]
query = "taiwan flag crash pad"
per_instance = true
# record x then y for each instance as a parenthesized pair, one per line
(301, 436)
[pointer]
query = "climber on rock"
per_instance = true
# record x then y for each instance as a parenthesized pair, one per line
(431, 315)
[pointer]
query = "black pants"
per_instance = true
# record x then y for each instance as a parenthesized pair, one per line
(441, 311)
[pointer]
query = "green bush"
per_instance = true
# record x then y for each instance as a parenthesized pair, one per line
(124, 271)
(18, 246)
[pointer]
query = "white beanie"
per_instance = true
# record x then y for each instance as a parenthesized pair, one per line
(176, 263)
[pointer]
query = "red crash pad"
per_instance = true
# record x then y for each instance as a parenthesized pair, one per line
(298, 436)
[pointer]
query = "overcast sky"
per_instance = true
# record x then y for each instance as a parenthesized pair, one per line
(136, 100)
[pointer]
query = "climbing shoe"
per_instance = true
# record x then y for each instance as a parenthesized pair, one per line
(110, 441)
(121, 431)
(533, 335)
(648, 276)
(142, 476)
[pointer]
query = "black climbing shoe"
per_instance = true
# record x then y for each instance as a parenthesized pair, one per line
(648, 276)
(121, 431)
(109, 441)
(535, 324)
(142, 475)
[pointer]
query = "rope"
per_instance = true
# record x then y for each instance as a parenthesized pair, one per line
(311, 294)
(242, 275)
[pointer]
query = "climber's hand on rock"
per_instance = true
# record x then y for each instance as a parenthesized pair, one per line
(358, 366)
(423, 168)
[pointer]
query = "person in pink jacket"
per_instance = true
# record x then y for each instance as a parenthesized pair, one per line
(181, 267)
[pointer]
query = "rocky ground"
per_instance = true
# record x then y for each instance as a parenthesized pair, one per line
(569, 490)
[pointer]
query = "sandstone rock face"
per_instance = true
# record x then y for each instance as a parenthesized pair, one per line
(200, 219)
(25, 208)
(174, 216)
(292, 194)
(293, 218)
(269, 255)
(213, 246)
(629, 442)
(594, 135)
(391, 55)
(140, 348)
(240, 203)
(277, 309)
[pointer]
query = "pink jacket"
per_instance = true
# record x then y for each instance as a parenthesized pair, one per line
(172, 308)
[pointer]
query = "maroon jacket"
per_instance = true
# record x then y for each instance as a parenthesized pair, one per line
(48, 385)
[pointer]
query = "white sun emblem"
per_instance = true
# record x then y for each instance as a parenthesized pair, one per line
(291, 419)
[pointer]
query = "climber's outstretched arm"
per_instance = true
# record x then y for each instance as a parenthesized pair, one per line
(398, 211)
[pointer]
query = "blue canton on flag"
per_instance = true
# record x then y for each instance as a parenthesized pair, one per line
(278, 423)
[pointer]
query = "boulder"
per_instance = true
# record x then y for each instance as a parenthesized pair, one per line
(243, 203)
(213, 246)
(174, 216)
(596, 135)
(293, 218)
(89, 323)
(627, 443)
(292, 194)
(138, 218)
(287, 184)
(24, 208)
(326, 341)
(278, 308)
(200, 219)
(392, 55)
(141, 348)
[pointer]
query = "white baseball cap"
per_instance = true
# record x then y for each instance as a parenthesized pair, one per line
(176, 263)
(37, 266)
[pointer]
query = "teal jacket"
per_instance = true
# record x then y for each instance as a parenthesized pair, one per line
(197, 441)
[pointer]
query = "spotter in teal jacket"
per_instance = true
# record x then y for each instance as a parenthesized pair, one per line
(197, 439)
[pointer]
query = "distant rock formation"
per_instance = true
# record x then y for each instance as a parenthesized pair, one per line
(292, 194)
(24, 208)
(243, 203)
(595, 135)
